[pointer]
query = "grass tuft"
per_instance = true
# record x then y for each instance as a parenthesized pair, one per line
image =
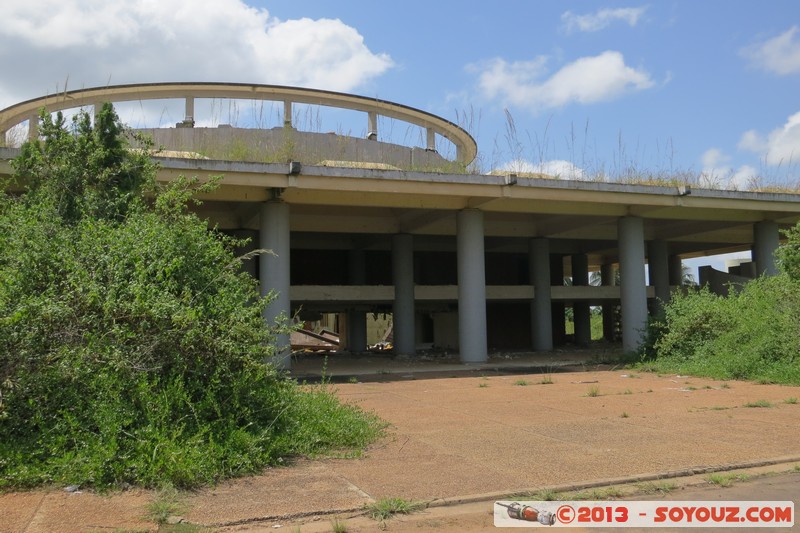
(653, 487)
(608, 493)
(759, 404)
(593, 392)
(166, 503)
(521, 383)
(386, 508)
(726, 479)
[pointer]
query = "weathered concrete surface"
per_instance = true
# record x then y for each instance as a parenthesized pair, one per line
(476, 435)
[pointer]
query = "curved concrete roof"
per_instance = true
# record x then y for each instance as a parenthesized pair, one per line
(466, 146)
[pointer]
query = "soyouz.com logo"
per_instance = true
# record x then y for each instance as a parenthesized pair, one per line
(644, 514)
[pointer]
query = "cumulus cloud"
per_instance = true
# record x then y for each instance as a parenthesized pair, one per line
(557, 168)
(95, 42)
(586, 80)
(781, 146)
(717, 171)
(601, 19)
(780, 55)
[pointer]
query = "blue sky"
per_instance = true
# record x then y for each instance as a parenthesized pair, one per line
(691, 78)
(594, 88)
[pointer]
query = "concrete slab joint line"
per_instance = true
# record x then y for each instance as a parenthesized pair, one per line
(642, 478)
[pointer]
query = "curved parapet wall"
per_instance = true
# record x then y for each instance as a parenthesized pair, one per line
(465, 146)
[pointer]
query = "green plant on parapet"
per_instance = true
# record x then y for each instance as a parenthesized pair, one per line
(386, 508)
(521, 383)
(726, 479)
(353, 379)
(547, 379)
(656, 487)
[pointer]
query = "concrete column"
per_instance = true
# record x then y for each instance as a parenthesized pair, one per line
(632, 283)
(357, 318)
(557, 308)
(765, 243)
(580, 310)
(675, 270)
(658, 269)
(287, 114)
(403, 277)
(372, 126)
(471, 287)
(189, 111)
(541, 312)
(274, 273)
(431, 140)
(608, 279)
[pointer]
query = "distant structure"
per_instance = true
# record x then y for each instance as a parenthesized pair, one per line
(461, 261)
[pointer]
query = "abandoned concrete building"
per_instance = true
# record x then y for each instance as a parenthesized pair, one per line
(464, 261)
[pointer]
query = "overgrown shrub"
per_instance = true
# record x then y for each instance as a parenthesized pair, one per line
(132, 347)
(754, 334)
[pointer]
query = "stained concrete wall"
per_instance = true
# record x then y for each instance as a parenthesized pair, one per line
(278, 145)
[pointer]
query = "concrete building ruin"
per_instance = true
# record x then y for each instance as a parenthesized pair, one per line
(463, 261)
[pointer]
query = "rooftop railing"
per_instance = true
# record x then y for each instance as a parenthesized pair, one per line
(465, 146)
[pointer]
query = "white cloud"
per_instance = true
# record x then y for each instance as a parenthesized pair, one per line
(717, 172)
(780, 147)
(780, 54)
(602, 18)
(557, 168)
(96, 42)
(586, 80)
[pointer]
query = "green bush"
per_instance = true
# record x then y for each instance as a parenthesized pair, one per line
(750, 335)
(132, 347)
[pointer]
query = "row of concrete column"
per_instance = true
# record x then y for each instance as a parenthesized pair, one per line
(664, 271)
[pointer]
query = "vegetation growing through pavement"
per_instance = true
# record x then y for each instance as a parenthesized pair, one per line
(748, 335)
(386, 508)
(132, 347)
(726, 480)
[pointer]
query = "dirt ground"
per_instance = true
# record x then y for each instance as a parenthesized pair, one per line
(474, 436)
